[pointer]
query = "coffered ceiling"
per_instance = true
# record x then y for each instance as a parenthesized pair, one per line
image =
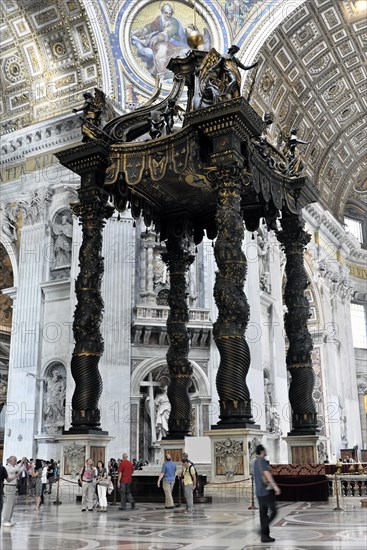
(313, 77)
(312, 74)
(48, 56)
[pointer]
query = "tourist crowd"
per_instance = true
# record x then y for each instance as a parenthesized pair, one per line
(35, 478)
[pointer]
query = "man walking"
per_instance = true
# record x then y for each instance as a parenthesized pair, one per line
(10, 489)
(168, 474)
(189, 479)
(266, 489)
(125, 474)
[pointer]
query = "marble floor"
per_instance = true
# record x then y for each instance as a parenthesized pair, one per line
(225, 524)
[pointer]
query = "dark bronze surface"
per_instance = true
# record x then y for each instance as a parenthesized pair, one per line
(211, 175)
(294, 240)
(178, 257)
(89, 161)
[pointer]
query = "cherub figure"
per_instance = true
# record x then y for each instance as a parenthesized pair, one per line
(171, 111)
(157, 122)
(211, 93)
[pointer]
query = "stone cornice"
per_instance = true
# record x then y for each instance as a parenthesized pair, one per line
(38, 138)
(324, 222)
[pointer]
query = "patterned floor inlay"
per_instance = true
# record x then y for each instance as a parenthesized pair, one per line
(216, 526)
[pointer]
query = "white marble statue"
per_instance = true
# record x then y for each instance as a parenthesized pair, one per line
(54, 401)
(163, 409)
(62, 234)
(268, 403)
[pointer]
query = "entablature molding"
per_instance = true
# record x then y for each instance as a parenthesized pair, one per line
(325, 223)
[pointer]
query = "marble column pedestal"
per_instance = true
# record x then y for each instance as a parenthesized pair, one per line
(71, 451)
(231, 452)
(302, 449)
(173, 446)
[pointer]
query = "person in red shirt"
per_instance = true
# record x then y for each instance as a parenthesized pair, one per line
(125, 472)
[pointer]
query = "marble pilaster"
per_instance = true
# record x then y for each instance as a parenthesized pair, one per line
(115, 364)
(28, 333)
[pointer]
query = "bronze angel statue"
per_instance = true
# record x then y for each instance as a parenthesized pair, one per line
(295, 163)
(97, 109)
(219, 76)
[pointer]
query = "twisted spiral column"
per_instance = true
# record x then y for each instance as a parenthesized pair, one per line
(233, 308)
(294, 240)
(178, 258)
(89, 161)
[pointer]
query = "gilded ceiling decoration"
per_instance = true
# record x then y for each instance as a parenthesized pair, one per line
(313, 77)
(47, 59)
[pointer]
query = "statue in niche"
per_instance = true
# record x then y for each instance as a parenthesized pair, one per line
(275, 422)
(54, 402)
(322, 453)
(193, 421)
(53, 399)
(343, 425)
(160, 271)
(62, 233)
(163, 409)
(268, 403)
(3, 385)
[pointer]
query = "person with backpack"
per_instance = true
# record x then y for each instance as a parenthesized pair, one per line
(196, 490)
(188, 475)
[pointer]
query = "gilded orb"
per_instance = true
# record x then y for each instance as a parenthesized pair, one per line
(195, 39)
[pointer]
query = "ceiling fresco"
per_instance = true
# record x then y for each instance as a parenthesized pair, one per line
(311, 75)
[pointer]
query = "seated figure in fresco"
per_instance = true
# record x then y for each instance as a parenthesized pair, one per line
(159, 40)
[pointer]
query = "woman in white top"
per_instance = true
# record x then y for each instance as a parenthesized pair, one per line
(102, 484)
